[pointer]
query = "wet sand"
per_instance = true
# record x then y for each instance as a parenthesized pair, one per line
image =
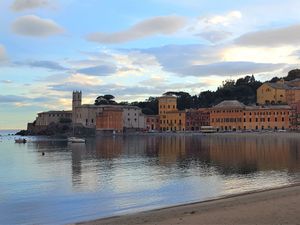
(276, 206)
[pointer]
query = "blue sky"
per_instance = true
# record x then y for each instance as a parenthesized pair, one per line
(136, 49)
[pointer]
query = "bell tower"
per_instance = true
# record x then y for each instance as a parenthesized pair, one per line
(76, 102)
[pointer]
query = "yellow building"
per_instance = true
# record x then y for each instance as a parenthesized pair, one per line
(171, 119)
(281, 92)
(167, 103)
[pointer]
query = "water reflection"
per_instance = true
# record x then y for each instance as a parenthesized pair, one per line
(132, 173)
(226, 154)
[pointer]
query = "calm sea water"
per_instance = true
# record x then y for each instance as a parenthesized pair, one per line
(118, 175)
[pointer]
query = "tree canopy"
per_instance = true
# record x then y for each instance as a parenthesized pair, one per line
(242, 89)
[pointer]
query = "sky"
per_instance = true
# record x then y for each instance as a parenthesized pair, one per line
(135, 49)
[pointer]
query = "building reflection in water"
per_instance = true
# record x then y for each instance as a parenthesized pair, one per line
(101, 158)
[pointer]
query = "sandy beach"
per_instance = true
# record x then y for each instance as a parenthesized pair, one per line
(276, 206)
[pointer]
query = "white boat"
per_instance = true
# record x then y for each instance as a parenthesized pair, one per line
(76, 140)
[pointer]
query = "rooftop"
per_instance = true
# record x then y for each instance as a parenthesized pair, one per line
(230, 104)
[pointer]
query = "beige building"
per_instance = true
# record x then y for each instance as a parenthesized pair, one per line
(86, 114)
(46, 118)
(281, 92)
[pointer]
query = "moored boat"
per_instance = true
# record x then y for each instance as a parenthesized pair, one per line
(20, 141)
(76, 140)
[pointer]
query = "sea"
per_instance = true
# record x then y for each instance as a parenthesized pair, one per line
(51, 181)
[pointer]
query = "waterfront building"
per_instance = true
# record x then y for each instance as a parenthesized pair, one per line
(110, 120)
(133, 118)
(152, 122)
(46, 118)
(197, 118)
(233, 115)
(85, 115)
(281, 92)
(171, 119)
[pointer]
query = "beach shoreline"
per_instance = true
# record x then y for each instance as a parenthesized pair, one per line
(278, 205)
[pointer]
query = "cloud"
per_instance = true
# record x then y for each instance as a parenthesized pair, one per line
(161, 25)
(43, 64)
(172, 57)
(223, 20)
(12, 98)
(228, 68)
(6, 81)
(215, 36)
(21, 5)
(3, 55)
(35, 26)
(114, 89)
(102, 70)
(274, 37)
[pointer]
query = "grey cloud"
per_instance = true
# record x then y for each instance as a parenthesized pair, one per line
(215, 35)
(198, 60)
(102, 70)
(172, 57)
(116, 90)
(296, 53)
(164, 25)
(3, 55)
(43, 64)
(6, 81)
(21, 98)
(275, 37)
(228, 68)
(12, 98)
(21, 5)
(35, 26)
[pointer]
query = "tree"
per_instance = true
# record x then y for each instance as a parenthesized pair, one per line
(105, 100)
(292, 75)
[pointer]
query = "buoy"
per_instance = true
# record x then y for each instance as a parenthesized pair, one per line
(43, 153)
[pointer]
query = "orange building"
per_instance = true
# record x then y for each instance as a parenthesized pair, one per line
(110, 120)
(196, 118)
(171, 119)
(227, 115)
(233, 115)
(152, 122)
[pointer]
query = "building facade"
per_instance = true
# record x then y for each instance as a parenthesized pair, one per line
(86, 115)
(233, 115)
(133, 118)
(152, 123)
(197, 118)
(110, 120)
(171, 119)
(46, 118)
(281, 92)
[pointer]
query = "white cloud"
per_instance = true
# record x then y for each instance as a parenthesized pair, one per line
(224, 20)
(21, 5)
(273, 37)
(35, 26)
(161, 25)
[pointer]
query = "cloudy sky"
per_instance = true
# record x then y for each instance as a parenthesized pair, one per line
(135, 49)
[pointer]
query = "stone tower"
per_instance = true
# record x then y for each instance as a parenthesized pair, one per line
(76, 102)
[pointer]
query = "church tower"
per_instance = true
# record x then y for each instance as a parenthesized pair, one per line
(76, 102)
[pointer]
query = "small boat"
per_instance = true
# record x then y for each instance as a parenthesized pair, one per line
(76, 140)
(20, 141)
